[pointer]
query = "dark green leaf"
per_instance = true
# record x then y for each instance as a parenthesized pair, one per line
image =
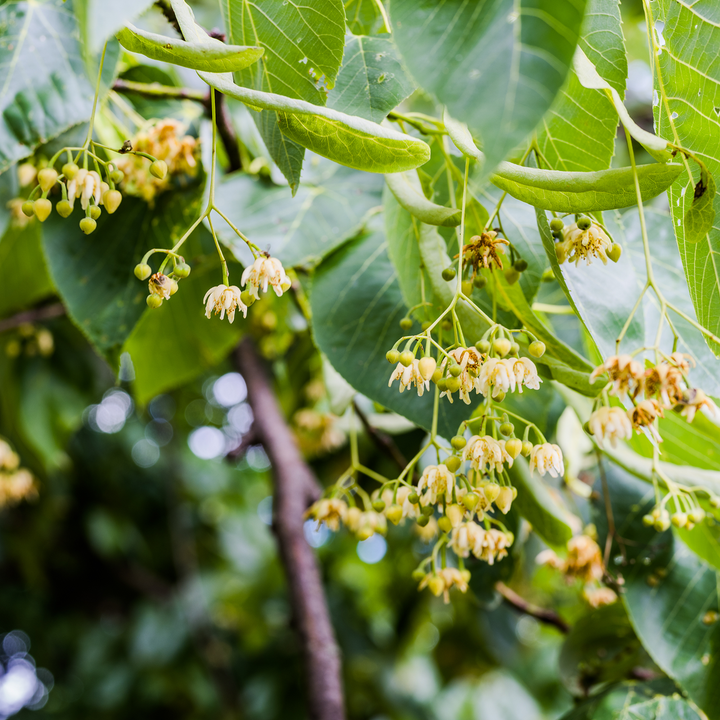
(366, 17)
(700, 217)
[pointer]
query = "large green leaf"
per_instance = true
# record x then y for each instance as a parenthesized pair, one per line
(99, 20)
(686, 113)
(191, 343)
(576, 192)
(211, 56)
(44, 89)
(299, 230)
(94, 273)
(603, 296)
(667, 593)
(357, 306)
(578, 132)
(371, 81)
(366, 17)
(496, 64)
(303, 45)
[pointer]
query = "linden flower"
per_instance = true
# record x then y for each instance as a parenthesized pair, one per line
(625, 374)
(263, 272)
(470, 361)
(466, 537)
(436, 482)
(580, 244)
(584, 559)
(665, 381)
(525, 373)
(485, 250)
(408, 376)
(160, 285)
(486, 453)
(331, 511)
(695, 400)
(17, 486)
(86, 184)
(222, 299)
(496, 377)
(644, 414)
(599, 596)
(401, 499)
(364, 524)
(9, 460)
(547, 458)
(441, 582)
(495, 545)
(610, 423)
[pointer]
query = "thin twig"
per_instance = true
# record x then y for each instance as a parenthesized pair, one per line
(381, 439)
(227, 133)
(293, 481)
(549, 617)
(46, 312)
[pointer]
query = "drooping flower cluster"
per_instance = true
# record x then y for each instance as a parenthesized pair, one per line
(584, 241)
(16, 483)
(440, 582)
(410, 376)
(488, 545)
(223, 299)
(484, 251)
(265, 270)
(547, 458)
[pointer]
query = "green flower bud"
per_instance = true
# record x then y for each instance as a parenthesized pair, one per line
(467, 287)
(453, 384)
(394, 514)
(507, 429)
(142, 271)
(111, 200)
(154, 301)
(406, 323)
(479, 282)
(501, 346)
(428, 510)
(449, 274)
(537, 349)
(173, 286)
(437, 376)
(471, 500)
(697, 515)
(88, 225)
(117, 176)
(453, 463)
(47, 177)
(455, 370)
(679, 520)
(584, 223)
(378, 505)
(444, 524)
(158, 169)
(418, 574)
(414, 498)
(513, 447)
(422, 521)
(483, 346)
(648, 520)
(514, 349)
(520, 265)
(247, 298)
(499, 397)
(442, 384)
(458, 442)
(182, 270)
(614, 252)
(512, 276)
(28, 208)
(95, 212)
(526, 448)
(64, 208)
(70, 170)
(392, 356)
(406, 358)
(42, 208)
(557, 225)
(491, 490)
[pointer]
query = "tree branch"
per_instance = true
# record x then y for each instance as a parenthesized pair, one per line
(46, 312)
(294, 483)
(381, 439)
(549, 617)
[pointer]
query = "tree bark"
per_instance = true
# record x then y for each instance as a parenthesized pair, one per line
(295, 488)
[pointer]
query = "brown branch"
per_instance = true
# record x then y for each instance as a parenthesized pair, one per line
(293, 480)
(549, 617)
(46, 312)
(227, 133)
(161, 92)
(381, 439)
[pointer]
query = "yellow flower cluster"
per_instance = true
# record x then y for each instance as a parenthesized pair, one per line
(16, 483)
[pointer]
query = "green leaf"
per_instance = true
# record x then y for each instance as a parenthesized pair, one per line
(602, 296)
(537, 506)
(700, 217)
(687, 115)
(357, 306)
(366, 17)
(99, 20)
(44, 89)
(667, 592)
(578, 132)
(211, 56)
(371, 81)
(497, 65)
(303, 45)
(408, 192)
(191, 343)
(94, 273)
(576, 192)
(24, 278)
(298, 230)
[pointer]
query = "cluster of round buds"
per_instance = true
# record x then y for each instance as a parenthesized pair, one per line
(583, 562)
(172, 153)
(411, 372)
(334, 512)
(441, 581)
(16, 483)
(583, 240)
(317, 432)
(30, 340)
(688, 517)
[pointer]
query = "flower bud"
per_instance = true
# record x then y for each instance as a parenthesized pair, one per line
(444, 524)
(142, 271)
(557, 225)
(614, 252)
(423, 520)
(437, 376)
(406, 358)
(111, 200)
(392, 356)
(442, 384)
(513, 447)
(537, 349)
(483, 346)
(458, 442)
(247, 298)
(378, 505)
(507, 429)
(70, 170)
(428, 510)
(501, 346)
(479, 282)
(418, 574)
(504, 500)
(561, 252)
(364, 533)
(499, 397)
(453, 384)
(436, 586)
(28, 208)
(182, 270)
(584, 223)
(454, 514)
(158, 169)
(648, 520)
(427, 367)
(117, 176)
(453, 463)
(467, 287)
(526, 448)
(173, 286)
(512, 276)
(64, 208)
(42, 208)
(154, 301)
(406, 323)
(455, 370)
(491, 490)
(95, 212)
(697, 515)
(520, 265)
(47, 177)
(471, 500)
(679, 519)
(394, 514)
(414, 498)
(449, 274)
(514, 349)
(88, 225)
